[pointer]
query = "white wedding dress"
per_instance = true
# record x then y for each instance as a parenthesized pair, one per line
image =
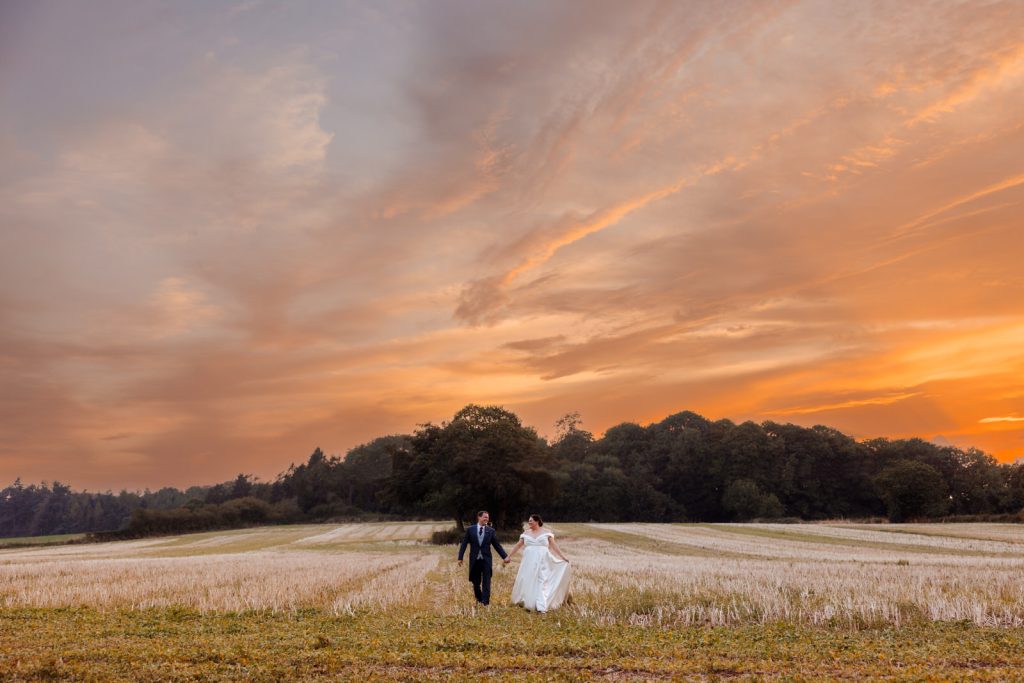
(543, 580)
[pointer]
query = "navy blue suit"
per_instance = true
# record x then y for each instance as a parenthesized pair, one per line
(481, 562)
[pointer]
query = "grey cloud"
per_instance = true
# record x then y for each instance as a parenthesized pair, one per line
(584, 202)
(533, 345)
(480, 301)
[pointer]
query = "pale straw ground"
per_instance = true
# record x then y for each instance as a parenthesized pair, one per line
(646, 574)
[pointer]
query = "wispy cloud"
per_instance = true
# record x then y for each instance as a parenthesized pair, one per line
(1004, 66)
(855, 403)
(923, 221)
(232, 237)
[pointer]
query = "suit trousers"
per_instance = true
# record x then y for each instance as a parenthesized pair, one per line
(480, 574)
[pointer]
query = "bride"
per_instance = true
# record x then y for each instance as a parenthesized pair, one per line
(543, 579)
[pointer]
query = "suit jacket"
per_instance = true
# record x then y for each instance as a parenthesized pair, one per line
(472, 540)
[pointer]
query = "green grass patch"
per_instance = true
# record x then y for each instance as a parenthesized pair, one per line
(27, 541)
(961, 531)
(638, 541)
(816, 539)
(501, 642)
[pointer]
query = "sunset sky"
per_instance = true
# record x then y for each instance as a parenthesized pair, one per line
(233, 232)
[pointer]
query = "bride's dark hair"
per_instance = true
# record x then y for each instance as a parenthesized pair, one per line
(536, 518)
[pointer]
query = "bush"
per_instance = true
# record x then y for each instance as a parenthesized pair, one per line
(333, 511)
(286, 511)
(1001, 518)
(447, 537)
(194, 516)
(243, 511)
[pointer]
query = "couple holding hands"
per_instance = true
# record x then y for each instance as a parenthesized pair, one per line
(542, 582)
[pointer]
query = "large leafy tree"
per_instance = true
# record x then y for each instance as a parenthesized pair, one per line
(912, 489)
(366, 470)
(484, 458)
(745, 500)
(316, 485)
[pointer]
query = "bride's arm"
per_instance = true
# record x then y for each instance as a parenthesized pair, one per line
(555, 549)
(519, 545)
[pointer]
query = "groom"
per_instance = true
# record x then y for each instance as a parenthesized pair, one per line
(480, 538)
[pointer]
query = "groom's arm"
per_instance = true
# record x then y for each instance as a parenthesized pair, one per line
(462, 548)
(497, 546)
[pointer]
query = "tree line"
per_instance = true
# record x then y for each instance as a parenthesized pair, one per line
(684, 468)
(45, 509)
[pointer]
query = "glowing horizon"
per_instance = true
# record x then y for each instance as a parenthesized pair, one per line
(233, 233)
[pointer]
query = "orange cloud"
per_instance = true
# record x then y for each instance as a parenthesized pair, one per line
(219, 253)
(1004, 67)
